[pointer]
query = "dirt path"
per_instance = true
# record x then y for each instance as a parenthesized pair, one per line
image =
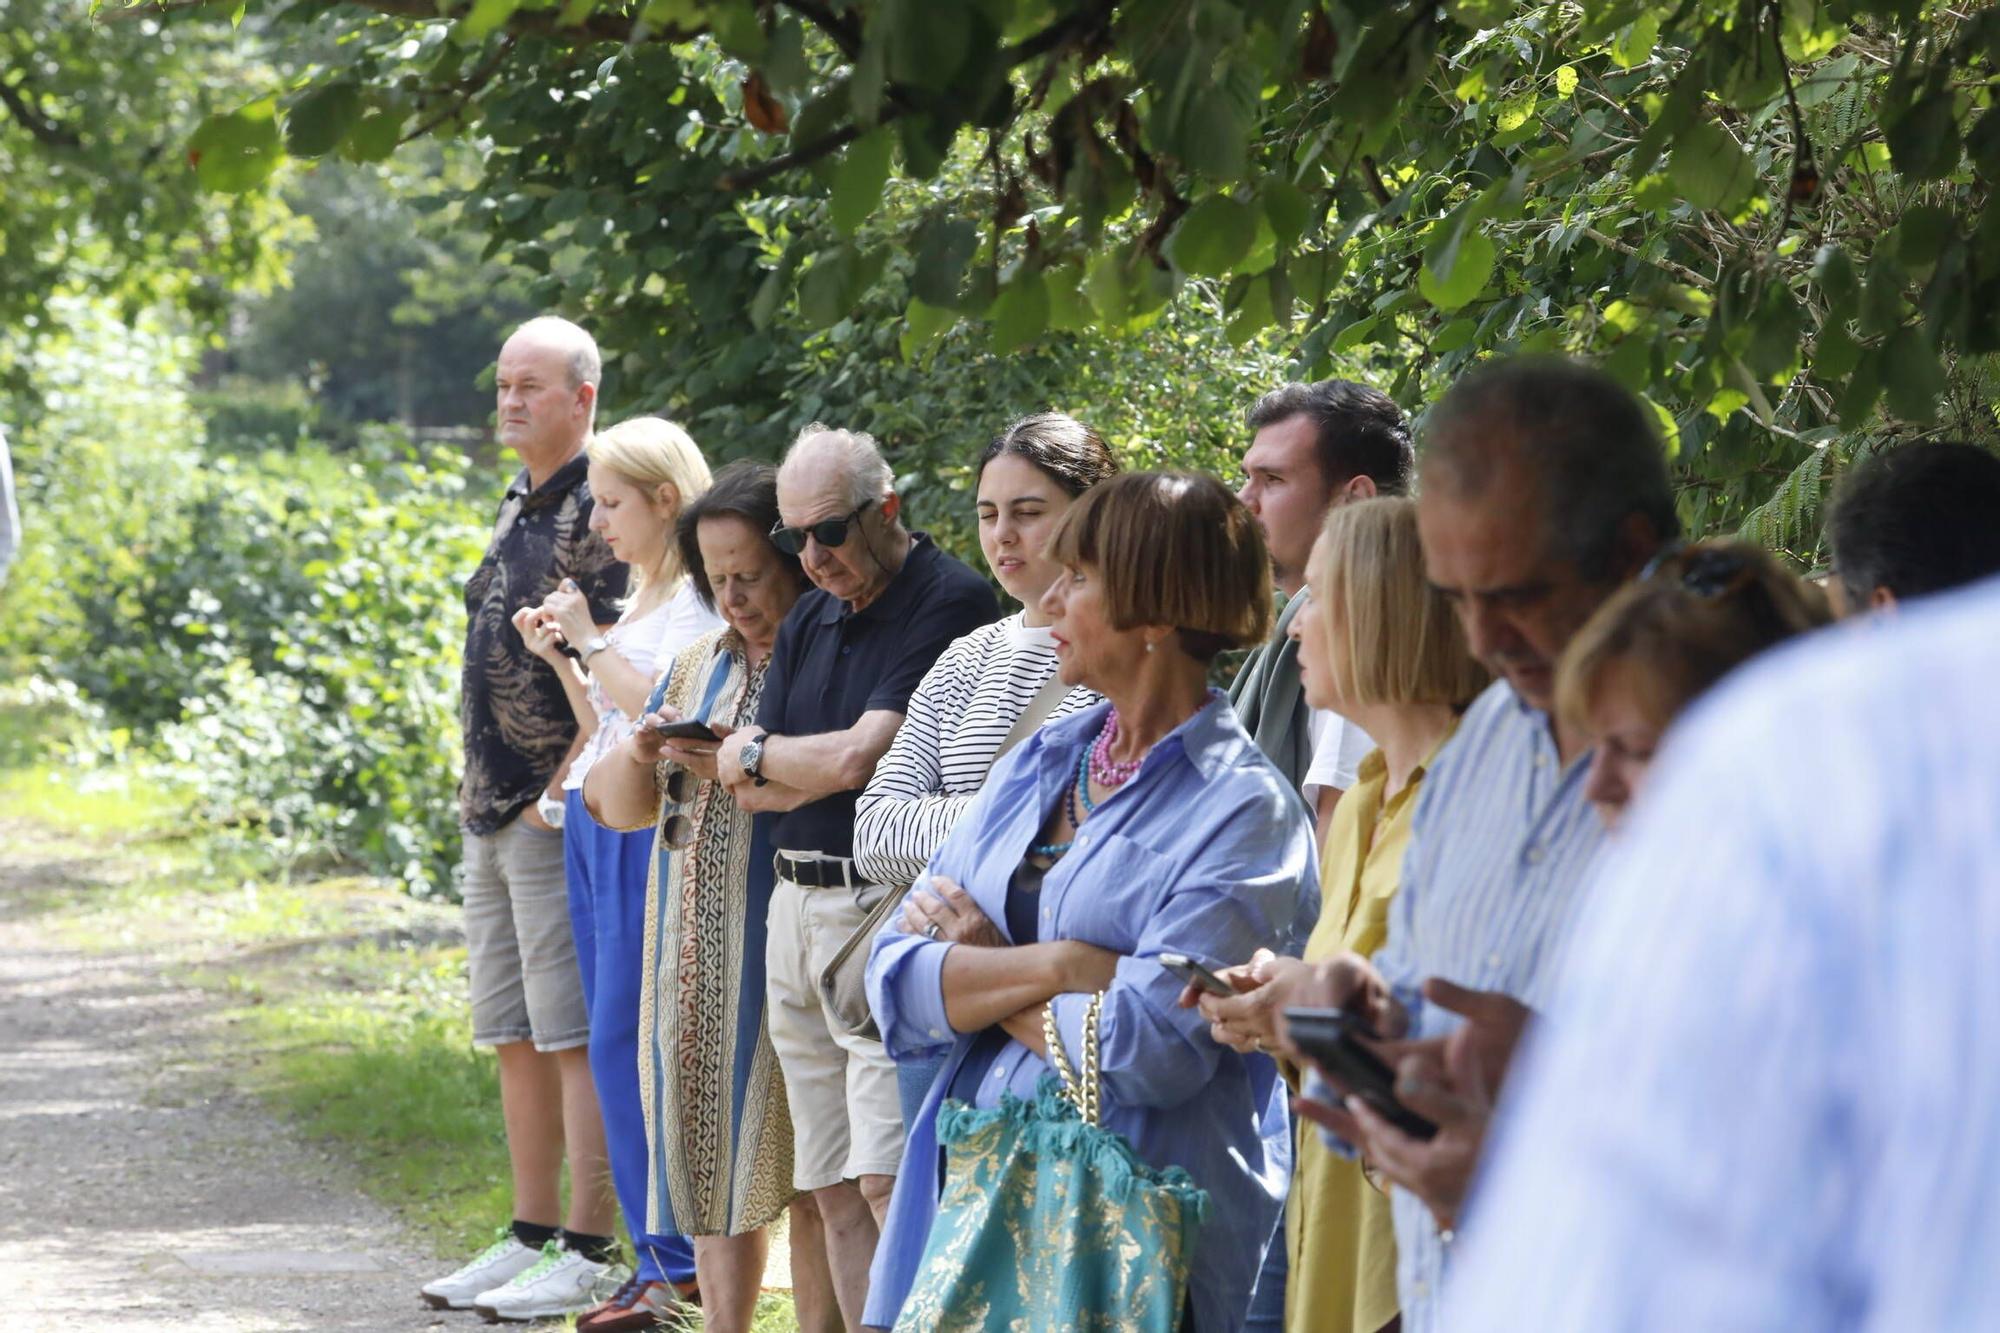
(137, 1191)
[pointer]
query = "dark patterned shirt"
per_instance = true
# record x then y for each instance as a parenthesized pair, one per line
(516, 720)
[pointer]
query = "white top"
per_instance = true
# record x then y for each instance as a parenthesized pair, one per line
(643, 642)
(1338, 749)
(962, 709)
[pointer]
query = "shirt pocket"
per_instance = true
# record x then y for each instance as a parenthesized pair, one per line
(1114, 895)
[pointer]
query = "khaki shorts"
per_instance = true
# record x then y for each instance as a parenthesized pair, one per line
(846, 1118)
(520, 948)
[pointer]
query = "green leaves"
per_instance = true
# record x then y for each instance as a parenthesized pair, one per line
(1020, 313)
(859, 179)
(1462, 277)
(1709, 169)
(1214, 237)
(1913, 382)
(320, 120)
(238, 151)
(1923, 141)
(944, 246)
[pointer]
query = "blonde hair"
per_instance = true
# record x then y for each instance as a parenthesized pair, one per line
(1399, 641)
(1173, 548)
(1680, 640)
(650, 452)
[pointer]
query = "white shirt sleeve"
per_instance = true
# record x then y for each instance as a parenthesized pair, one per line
(1338, 747)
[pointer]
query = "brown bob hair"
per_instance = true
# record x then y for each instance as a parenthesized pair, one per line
(1695, 616)
(1173, 548)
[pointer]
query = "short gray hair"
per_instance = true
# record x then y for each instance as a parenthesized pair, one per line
(869, 477)
(580, 355)
(1592, 448)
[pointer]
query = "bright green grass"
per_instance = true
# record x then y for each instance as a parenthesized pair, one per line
(340, 1002)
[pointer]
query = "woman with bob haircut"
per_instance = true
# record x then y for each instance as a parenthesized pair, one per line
(1694, 615)
(1149, 823)
(1381, 647)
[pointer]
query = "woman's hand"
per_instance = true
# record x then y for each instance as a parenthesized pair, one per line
(698, 757)
(946, 912)
(541, 637)
(1248, 1020)
(569, 610)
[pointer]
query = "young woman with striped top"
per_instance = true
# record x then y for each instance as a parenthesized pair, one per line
(991, 688)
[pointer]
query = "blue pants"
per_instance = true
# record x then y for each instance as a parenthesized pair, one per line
(607, 910)
(1267, 1304)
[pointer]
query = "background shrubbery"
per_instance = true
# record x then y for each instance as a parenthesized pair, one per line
(280, 629)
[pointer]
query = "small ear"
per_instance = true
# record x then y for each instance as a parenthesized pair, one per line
(1638, 542)
(667, 498)
(1360, 486)
(892, 505)
(1881, 599)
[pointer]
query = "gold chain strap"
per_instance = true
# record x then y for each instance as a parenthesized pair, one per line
(1083, 1094)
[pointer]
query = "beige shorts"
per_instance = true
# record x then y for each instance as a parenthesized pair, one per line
(520, 950)
(846, 1119)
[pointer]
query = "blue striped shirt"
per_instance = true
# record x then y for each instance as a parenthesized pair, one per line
(1768, 1093)
(1500, 841)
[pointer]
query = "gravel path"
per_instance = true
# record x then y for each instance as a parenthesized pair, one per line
(136, 1191)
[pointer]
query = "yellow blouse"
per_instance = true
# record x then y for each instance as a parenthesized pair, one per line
(1338, 1235)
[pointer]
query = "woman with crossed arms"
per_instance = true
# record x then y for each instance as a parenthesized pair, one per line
(1149, 823)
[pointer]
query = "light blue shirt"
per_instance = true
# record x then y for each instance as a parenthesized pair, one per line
(1207, 851)
(1500, 841)
(1768, 1094)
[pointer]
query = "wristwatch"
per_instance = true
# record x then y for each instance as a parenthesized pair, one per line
(597, 644)
(551, 810)
(753, 759)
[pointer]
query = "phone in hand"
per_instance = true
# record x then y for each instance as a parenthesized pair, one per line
(1196, 974)
(1330, 1038)
(688, 729)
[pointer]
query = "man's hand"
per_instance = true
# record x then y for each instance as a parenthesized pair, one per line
(1453, 1097)
(1492, 1028)
(1348, 982)
(532, 817)
(1248, 1021)
(729, 759)
(948, 907)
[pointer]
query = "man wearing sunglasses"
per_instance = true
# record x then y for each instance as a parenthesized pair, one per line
(885, 603)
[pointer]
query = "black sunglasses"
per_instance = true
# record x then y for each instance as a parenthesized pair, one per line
(827, 532)
(1704, 571)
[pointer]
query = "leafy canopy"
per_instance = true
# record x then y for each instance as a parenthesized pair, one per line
(1769, 216)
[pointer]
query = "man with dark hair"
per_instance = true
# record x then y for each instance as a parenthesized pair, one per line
(1916, 520)
(1544, 488)
(1313, 446)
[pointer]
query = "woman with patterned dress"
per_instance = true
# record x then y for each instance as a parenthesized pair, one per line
(718, 1129)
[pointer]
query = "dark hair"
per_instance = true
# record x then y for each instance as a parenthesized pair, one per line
(1173, 548)
(743, 489)
(1592, 448)
(1916, 520)
(1357, 431)
(1070, 452)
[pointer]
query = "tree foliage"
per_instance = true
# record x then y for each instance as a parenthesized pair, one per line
(96, 189)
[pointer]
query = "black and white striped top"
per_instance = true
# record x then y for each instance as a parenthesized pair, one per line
(951, 733)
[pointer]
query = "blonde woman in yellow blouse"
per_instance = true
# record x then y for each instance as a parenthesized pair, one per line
(1381, 648)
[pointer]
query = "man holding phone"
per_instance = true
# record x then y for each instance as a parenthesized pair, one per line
(1544, 487)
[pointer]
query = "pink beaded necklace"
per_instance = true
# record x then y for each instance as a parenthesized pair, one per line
(1110, 772)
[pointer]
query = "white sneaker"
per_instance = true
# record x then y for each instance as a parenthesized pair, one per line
(492, 1267)
(561, 1282)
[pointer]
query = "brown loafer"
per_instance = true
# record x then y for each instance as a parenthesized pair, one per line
(636, 1307)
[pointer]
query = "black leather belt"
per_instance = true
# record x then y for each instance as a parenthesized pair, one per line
(819, 874)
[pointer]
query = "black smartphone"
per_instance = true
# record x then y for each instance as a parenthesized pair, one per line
(1196, 974)
(1330, 1039)
(687, 730)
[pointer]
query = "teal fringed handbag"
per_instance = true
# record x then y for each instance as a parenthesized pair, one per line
(1050, 1221)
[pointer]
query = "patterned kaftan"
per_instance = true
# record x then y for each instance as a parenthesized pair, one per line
(717, 1124)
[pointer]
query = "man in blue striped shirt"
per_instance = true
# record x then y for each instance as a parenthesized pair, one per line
(1543, 488)
(1767, 1096)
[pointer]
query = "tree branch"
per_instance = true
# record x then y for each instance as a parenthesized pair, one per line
(803, 155)
(466, 88)
(839, 28)
(50, 134)
(1681, 271)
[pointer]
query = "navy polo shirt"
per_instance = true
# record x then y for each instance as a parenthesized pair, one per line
(830, 665)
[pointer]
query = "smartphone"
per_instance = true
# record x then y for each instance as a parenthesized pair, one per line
(688, 730)
(1195, 974)
(1330, 1039)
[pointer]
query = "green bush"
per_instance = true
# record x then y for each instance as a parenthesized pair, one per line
(283, 628)
(248, 416)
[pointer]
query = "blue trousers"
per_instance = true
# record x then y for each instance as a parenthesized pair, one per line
(607, 910)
